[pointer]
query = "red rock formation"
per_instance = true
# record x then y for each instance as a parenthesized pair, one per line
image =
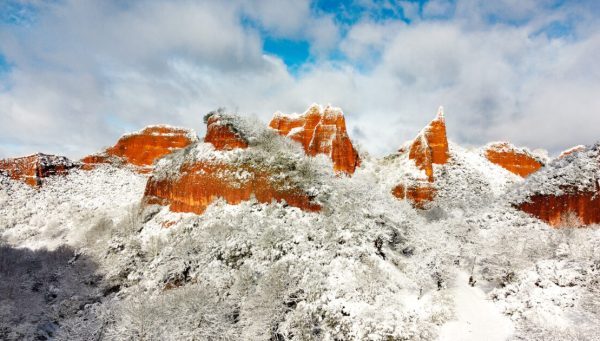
(516, 160)
(194, 182)
(222, 135)
(431, 146)
(428, 148)
(419, 194)
(201, 183)
(142, 148)
(34, 168)
(555, 209)
(320, 131)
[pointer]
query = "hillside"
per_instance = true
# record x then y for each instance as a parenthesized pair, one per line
(252, 233)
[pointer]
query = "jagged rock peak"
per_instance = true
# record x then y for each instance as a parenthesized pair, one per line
(140, 149)
(428, 148)
(320, 130)
(431, 145)
(519, 161)
(34, 168)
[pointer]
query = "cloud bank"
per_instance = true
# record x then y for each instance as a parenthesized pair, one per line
(76, 74)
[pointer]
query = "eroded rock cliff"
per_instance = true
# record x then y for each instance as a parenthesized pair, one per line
(431, 145)
(516, 160)
(428, 148)
(142, 148)
(189, 180)
(34, 168)
(320, 131)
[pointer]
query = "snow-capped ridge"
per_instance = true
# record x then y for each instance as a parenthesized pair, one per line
(572, 150)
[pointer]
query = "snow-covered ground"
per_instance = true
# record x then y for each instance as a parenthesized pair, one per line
(94, 264)
(477, 317)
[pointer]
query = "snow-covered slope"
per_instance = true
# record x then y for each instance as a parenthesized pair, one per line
(85, 257)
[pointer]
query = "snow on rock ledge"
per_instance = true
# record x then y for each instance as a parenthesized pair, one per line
(516, 160)
(142, 148)
(34, 168)
(267, 169)
(572, 150)
(566, 193)
(320, 131)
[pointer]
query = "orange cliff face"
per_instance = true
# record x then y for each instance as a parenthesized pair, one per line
(199, 182)
(555, 209)
(142, 148)
(428, 148)
(513, 159)
(34, 168)
(320, 131)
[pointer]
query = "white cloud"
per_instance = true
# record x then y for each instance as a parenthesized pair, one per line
(438, 8)
(366, 39)
(88, 71)
(283, 18)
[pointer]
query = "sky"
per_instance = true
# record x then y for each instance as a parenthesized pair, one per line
(77, 74)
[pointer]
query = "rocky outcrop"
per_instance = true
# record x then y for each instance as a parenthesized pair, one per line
(142, 148)
(566, 193)
(516, 160)
(431, 145)
(419, 194)
(190, 180)
(428, 148)
(320, 131)
(222, 134)
(34, 168)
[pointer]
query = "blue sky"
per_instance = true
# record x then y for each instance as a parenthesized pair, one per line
(75, 74)
(4, 65)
